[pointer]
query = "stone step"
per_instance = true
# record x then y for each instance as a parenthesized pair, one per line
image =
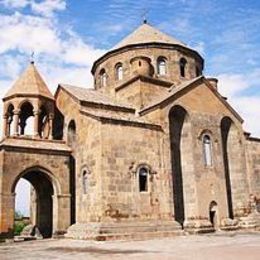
(138, 235)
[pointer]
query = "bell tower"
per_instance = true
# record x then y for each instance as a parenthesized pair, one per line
(29, 107)
(28, 151)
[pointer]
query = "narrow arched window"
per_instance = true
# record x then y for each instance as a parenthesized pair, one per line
(198, 72)
(85, 181)
(207, 150)
(143, 179)
(72, 133)
(183, 63)
(119, 71)
(103, 78)
(161, 66)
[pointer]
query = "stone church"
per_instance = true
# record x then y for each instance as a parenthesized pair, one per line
(153, 150)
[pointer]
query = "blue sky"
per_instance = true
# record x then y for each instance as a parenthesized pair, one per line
(67, 36)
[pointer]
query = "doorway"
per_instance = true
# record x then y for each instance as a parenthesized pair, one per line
(41, 203)
(213, 214)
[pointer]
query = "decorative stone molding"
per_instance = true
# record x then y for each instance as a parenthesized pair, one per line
(133, 168)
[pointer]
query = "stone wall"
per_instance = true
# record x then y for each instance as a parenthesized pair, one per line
(141, 92)
(253, 165)
(87, 156)
(124, 149)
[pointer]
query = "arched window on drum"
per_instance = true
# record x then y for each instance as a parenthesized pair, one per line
(103, 78)
(161, 66)
(119, 71)
(183, 63)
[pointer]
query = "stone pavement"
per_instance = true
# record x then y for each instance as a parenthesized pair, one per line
(220, 246)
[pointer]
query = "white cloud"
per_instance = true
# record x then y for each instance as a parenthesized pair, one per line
(48, 7)
(74, 50)
(231, 84)
(24, 33)
(54, 74)
(14, 3)
(249, 108)
(45, 8)
(234, 87)
(10, 65)
(27, 33)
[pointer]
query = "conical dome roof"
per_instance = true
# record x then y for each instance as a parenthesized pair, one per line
(30, 83)
(147, 34)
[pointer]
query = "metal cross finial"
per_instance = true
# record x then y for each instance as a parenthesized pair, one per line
(32, 57)
(144, 15)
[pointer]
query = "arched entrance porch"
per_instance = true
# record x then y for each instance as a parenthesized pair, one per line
(42, 204)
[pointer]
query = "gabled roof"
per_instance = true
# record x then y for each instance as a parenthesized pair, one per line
(92, 96)
(29, 83)
(178, 90)
(147, 34)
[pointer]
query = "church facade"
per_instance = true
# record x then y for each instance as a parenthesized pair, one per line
(153, 150)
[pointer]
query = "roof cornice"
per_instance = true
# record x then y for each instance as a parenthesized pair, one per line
(27, 96)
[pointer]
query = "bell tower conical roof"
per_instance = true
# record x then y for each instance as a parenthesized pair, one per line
(30, 83)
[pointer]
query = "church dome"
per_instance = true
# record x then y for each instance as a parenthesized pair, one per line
(171, 59)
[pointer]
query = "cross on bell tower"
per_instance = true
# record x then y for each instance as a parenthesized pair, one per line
(32, 57)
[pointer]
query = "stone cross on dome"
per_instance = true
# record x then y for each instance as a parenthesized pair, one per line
(144, 15)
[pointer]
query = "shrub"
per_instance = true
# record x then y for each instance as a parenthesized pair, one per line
(18, 227)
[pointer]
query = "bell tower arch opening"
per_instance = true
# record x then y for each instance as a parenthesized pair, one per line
(41, 213)
(26, 119)
(43, 123)
(9, 116)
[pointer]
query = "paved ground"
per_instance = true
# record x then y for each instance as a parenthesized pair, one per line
(246, 246)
